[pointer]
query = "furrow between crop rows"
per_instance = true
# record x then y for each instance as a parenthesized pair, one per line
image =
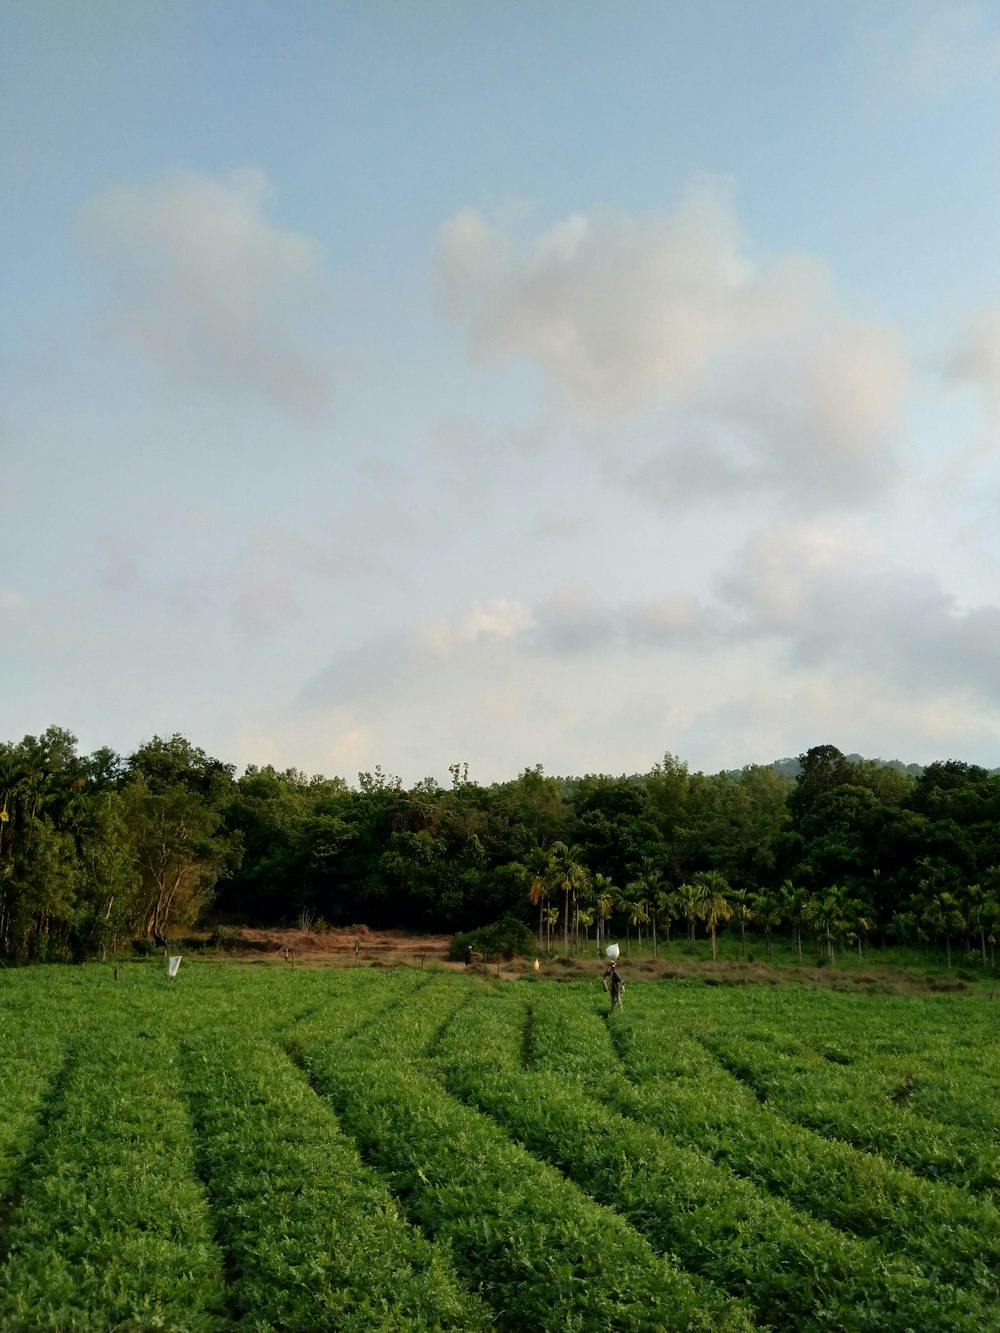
(31, 1054)
(681, 1089)
(313, 1239)
(797, 1273)
(823, 1098)
(112, 1228)
(541, 1253)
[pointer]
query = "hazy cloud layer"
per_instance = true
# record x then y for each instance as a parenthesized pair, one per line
(208, 287)
(943, 49)
(401, 663)
(569, 626)
(615, 309)
(975, 361)
(268, 580)
(834, 602)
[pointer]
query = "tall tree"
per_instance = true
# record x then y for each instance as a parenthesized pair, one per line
(566, 875)
(712, 888)
(687, 898)
(179, 852)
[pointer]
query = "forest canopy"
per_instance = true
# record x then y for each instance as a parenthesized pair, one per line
(100, 850)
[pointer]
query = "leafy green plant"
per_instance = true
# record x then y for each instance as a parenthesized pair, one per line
(506, 938)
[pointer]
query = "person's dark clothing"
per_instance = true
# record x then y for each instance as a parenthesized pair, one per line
(614, 984)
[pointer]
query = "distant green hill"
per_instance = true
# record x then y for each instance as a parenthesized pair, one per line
(791, 768)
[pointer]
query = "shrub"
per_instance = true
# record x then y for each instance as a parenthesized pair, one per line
(505, 938)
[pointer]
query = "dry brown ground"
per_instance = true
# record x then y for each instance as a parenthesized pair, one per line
(360, 947)
(337, 948)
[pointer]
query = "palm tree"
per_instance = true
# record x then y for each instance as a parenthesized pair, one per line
(605, 894)
(768, 908)
(855, 913)
(537, 868)
(826, 910)
(567, 874)
(980, 906)
(739, 901)
(688, 901)
(989, 913)
(636, 911)
(713, 887)
(796, 902)
(551, 917)
(656, 896)
(906, 927)
(666, 911)
(585, 918)
(942, 914)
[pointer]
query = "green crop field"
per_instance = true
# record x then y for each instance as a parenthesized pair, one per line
(256, 1149)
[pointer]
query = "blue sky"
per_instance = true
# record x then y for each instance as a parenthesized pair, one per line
(502, 383)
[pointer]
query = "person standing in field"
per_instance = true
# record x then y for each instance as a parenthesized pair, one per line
(614, 984)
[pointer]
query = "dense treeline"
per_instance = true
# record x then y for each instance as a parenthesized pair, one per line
(98, 850)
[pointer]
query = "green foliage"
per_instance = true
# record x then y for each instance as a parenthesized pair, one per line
(263, 1149)
(506, 938)
(542, 1255)
(109, 1226)
(313, 1236)
(96, 850)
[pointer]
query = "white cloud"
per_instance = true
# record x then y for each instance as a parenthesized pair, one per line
(613, 308)
(207, 286)
(755, 375)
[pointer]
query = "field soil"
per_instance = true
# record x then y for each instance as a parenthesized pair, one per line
(355, 945)
(359, 946)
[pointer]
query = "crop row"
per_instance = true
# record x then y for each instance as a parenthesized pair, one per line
(915, 1079)
(32, 1048)
(796, 1272)
(833, 1101)
(937, 1053)
(407, 1024)
(674, 1084)
(109, 1227)
(542, 1254)
(312, 1238)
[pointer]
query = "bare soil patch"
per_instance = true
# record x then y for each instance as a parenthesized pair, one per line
(350, 947)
